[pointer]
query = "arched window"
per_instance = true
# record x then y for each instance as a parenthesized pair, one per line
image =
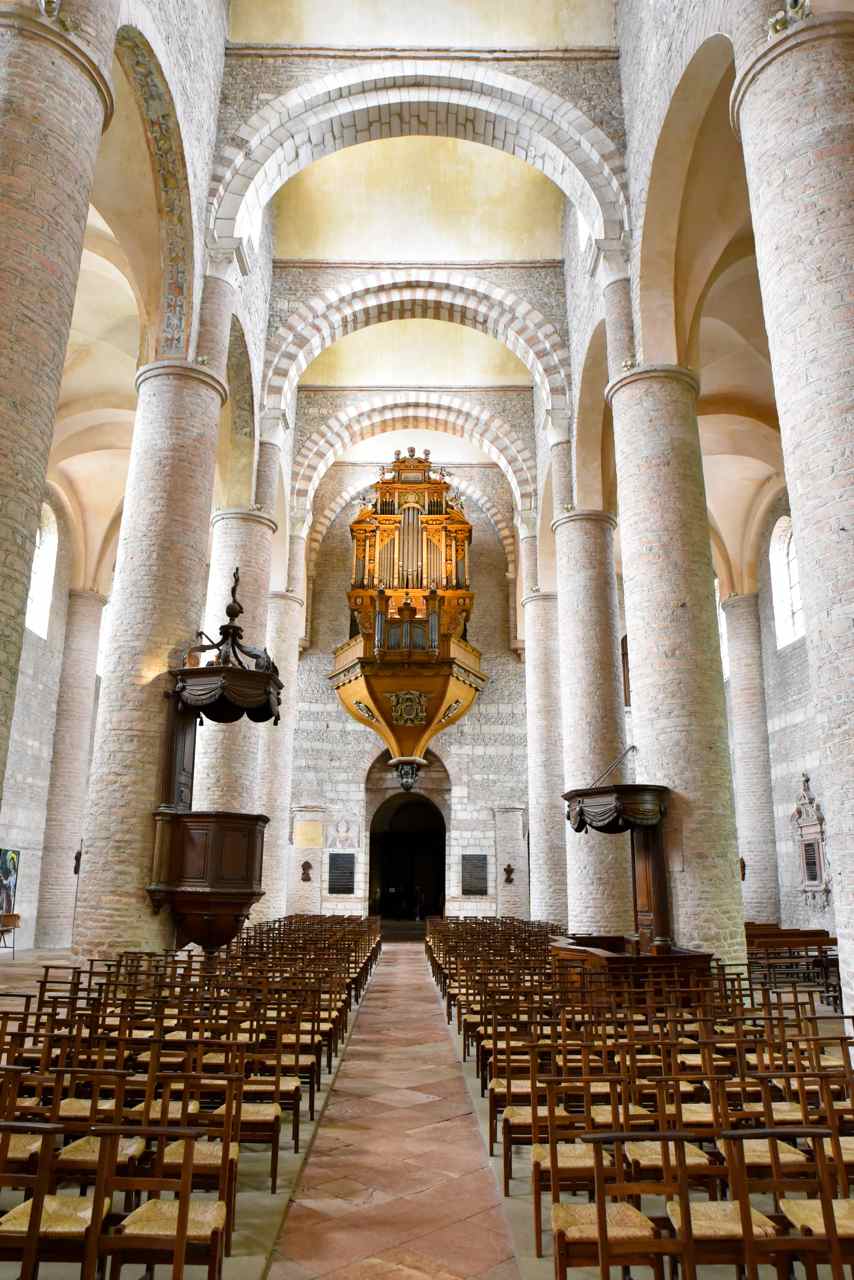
(785, 584)
(722, 635)
(41, 578)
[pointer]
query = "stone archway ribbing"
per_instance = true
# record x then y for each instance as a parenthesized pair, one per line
(421, 97)
(437, 411)
(455, 297)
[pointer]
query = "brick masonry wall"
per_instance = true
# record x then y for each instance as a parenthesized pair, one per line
(484, 754)
(188, 39)
(540, 285)
(592, 84)
(25, 790)
(793, 742)
(316, 405)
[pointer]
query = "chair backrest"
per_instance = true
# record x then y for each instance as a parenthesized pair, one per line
(34, 1181)
(110, 1178)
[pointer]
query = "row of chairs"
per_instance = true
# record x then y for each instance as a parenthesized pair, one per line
(128, 1089)
(702, 1090)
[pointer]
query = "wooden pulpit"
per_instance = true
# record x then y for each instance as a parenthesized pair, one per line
(207, 865)
(637, 808)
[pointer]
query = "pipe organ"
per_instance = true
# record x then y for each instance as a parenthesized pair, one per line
(408, 670)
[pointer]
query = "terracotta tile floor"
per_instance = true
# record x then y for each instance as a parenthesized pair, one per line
(397, 1184)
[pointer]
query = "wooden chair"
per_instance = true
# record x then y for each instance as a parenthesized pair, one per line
(177, 1232)
(43, 1227)
(820, 1230)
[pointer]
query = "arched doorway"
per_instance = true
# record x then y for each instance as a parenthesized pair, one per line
(407, 874)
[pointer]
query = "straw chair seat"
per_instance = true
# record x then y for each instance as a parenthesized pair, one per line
(757, 1151)
(160, 1218)
(522, 1115)
(205, 1154)
(648, 1155)
(580, 1222)
(23, 1145)
(806, 1216)
(520, 1087)
(85, 1151)
(570, 1155)
(80, 1108)
(604, 1115)
(287, 1084)
(61, 1216)
(258, 1112)
(719, 1220)
(846, 1144)
(175, 1110)
(786, 1111)
(696, 1113)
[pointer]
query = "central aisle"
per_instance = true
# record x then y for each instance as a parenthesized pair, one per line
(397, 1183)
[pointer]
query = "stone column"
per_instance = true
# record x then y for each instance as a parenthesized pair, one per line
(511, 850)
(598, 867)
(284, 631)
(157, 601)
(546, 821)
(55, 101)
(619, 328)
(754, 799)
(800, 175)
(69, 770)
(267, 476)
(678, 707)
(226, 775)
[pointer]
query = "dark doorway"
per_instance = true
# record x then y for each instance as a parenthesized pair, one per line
(407, 859)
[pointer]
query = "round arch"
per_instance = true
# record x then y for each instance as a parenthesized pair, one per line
(688, 107)
(407, 839)
(172, 328)
(452, 415)
(451, 296)
(424, 97)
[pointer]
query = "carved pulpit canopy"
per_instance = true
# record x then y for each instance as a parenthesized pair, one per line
(615, 809)
(236, 679)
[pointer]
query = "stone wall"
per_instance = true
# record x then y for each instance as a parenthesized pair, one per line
(484, 755)
(25, 787)
(188, 39)
(539, 284)
(252, 77)
(793, 744)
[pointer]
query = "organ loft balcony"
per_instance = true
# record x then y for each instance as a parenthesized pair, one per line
(407, 670)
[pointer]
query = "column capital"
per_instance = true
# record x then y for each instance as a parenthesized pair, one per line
(820, 26)
(548, 597)
(646, 372)
(274, 424)
(290, 597)
(228, 263)
(509, 808)
(35, 29)
(613, 261)
(735, 600)
(589, 517)
(182, 369)
(81, 593)
(244, 513)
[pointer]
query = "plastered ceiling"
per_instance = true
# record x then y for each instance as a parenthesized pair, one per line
(528, 24)
(433, 199)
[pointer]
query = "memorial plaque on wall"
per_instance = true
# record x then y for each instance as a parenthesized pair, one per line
(342, 873)
(474, 875)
